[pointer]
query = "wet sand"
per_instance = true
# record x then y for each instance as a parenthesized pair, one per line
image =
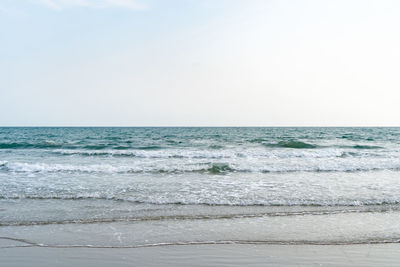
(205, 255)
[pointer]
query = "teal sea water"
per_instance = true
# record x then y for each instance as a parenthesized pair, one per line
(148, 186)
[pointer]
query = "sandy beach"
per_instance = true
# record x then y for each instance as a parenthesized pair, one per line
(199, 133)
(207, 255)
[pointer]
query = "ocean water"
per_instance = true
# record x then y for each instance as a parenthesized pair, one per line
(129, 187)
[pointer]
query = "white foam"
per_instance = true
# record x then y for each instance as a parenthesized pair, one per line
(249, 164)
(226, 153)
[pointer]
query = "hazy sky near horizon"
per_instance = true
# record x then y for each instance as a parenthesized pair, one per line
(199, 63)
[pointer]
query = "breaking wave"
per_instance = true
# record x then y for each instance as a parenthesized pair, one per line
(292, 144)
(319, 165)
(220, 154)
(365, 205)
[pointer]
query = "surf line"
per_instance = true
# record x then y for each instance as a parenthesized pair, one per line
(216, 242)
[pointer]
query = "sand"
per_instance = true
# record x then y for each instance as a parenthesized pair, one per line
(206, 255)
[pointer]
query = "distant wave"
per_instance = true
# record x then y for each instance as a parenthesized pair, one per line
(356, 137)
(204, 167)
(24, 145)
(151, 153)
(120, 147)
(220, 168)
(220, 153)
(217, 168)
(95, 147)
(292, 144)
(366, 147)
(124, 149)
(258, 140)
(72, 146)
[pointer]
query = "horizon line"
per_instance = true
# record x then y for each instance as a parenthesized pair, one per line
(177, 126)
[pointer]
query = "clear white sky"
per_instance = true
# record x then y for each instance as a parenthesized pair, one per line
(199, 62)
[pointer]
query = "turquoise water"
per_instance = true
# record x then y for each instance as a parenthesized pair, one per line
(81, 177)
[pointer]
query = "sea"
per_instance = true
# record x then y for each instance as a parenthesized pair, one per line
(157, 186)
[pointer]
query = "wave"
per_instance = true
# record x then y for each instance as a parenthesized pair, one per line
(95, 147)
(219, 168)
(258, 140)
(152, 153)
(365, 241)
(150, 147)
(352, 137)
(194, 217)
(366, 147)
(210, 168)
(219, 153)
(292, 144)
(24, 145)
(376, 205)
(93, 152)
(170, 217)
(72, 146)
(216, 146)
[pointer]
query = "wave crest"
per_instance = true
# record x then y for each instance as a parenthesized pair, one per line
(366, 147)
(219, 168)
(292, 144)
(24, 145)
(200, 167)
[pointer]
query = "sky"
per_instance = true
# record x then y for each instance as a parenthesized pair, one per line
(199, 63)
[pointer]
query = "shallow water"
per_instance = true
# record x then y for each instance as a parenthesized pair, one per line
(98, 186)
